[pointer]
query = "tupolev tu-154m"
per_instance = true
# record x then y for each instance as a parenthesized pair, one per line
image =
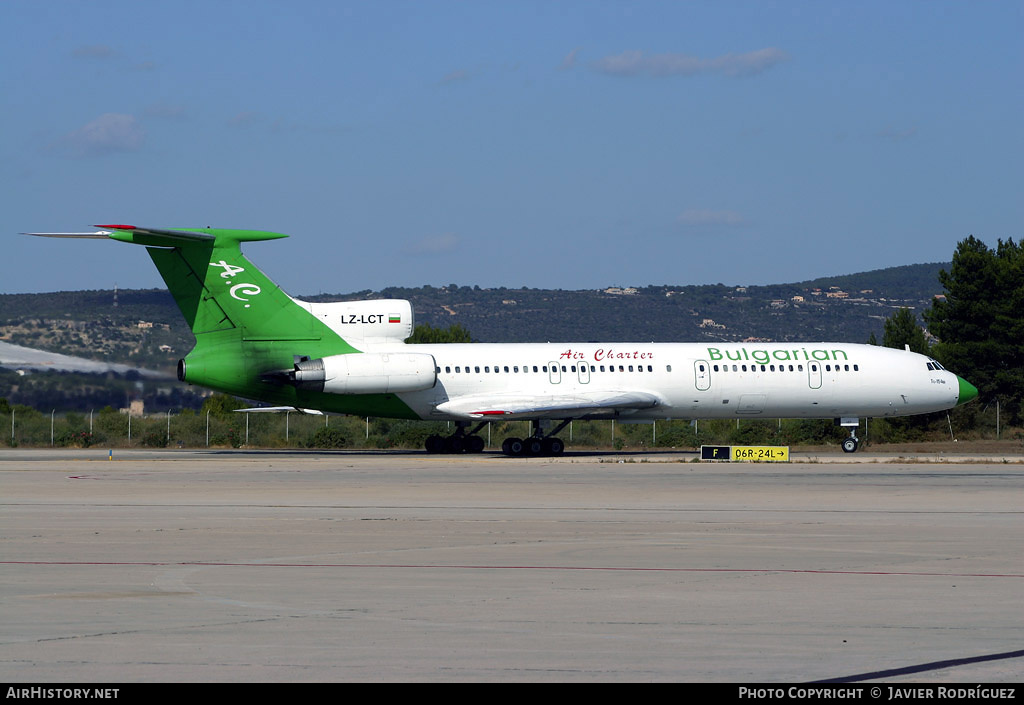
(255, 341)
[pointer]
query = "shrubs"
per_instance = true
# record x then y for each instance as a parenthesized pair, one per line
(74, 439)
(327, 437)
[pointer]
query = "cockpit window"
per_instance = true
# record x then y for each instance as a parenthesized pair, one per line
(932, 365)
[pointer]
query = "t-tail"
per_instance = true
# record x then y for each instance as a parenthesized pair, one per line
(247, 329)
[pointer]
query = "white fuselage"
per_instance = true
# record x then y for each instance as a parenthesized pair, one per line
(689, 380)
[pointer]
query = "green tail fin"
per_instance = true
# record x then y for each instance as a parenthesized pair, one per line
(217, 288)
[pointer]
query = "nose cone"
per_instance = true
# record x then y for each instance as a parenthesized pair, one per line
(967, 391)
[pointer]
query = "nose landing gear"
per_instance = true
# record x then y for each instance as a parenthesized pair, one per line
(851, 444)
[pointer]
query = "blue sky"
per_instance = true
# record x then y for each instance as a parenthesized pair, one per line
(552, 144)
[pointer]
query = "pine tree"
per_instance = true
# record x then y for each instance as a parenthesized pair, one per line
(901, 330)
(980, 322)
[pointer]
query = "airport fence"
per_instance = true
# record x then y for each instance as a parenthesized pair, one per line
(26, 427)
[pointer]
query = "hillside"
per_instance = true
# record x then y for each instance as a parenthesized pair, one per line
(848, 308)
(145, 329)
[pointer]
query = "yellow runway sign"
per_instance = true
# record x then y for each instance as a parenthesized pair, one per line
(748, 454)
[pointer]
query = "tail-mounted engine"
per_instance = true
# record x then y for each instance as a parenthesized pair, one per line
(363, 373)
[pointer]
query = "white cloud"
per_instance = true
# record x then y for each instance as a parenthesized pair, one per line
(635, 63)
(107, 134)
(569, 60)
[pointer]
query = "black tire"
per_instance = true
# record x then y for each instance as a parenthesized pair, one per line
(474, 444)
(850, 445)
(512, 446)
(434, 444)
(553, 446)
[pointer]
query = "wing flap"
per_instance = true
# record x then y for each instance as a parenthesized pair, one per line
(279, 409)
(572, 406)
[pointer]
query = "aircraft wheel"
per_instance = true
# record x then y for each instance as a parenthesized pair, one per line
(850, 445)
(455, 444)
(512, 446)
(474, 444)
(434, 444)
(533, 446)
(553, 446)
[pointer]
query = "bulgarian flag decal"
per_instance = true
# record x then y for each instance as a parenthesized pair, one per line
(394, 318)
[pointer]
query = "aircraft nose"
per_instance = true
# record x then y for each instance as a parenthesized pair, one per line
(967, 391)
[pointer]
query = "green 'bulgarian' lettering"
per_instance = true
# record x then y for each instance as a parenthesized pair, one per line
(763, 355)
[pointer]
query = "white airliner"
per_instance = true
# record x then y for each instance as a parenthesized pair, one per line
(256, 342)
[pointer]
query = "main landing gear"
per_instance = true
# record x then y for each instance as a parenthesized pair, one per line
(538, 444)
(458, 442)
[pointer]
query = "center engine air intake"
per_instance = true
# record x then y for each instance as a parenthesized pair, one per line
(366, 373)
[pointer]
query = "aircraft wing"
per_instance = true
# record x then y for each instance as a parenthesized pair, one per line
(570, 406)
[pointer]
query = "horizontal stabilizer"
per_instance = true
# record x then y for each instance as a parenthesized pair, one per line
(279, 409)
(164, 237)
(98, 235)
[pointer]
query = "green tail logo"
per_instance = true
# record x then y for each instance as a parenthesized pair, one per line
(245, 325)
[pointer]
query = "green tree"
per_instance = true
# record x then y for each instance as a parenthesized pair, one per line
(221, 405)
(455, 333)
(901, 330)
(980, 321)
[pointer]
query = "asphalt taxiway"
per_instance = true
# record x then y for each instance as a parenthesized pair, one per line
(229, 566)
